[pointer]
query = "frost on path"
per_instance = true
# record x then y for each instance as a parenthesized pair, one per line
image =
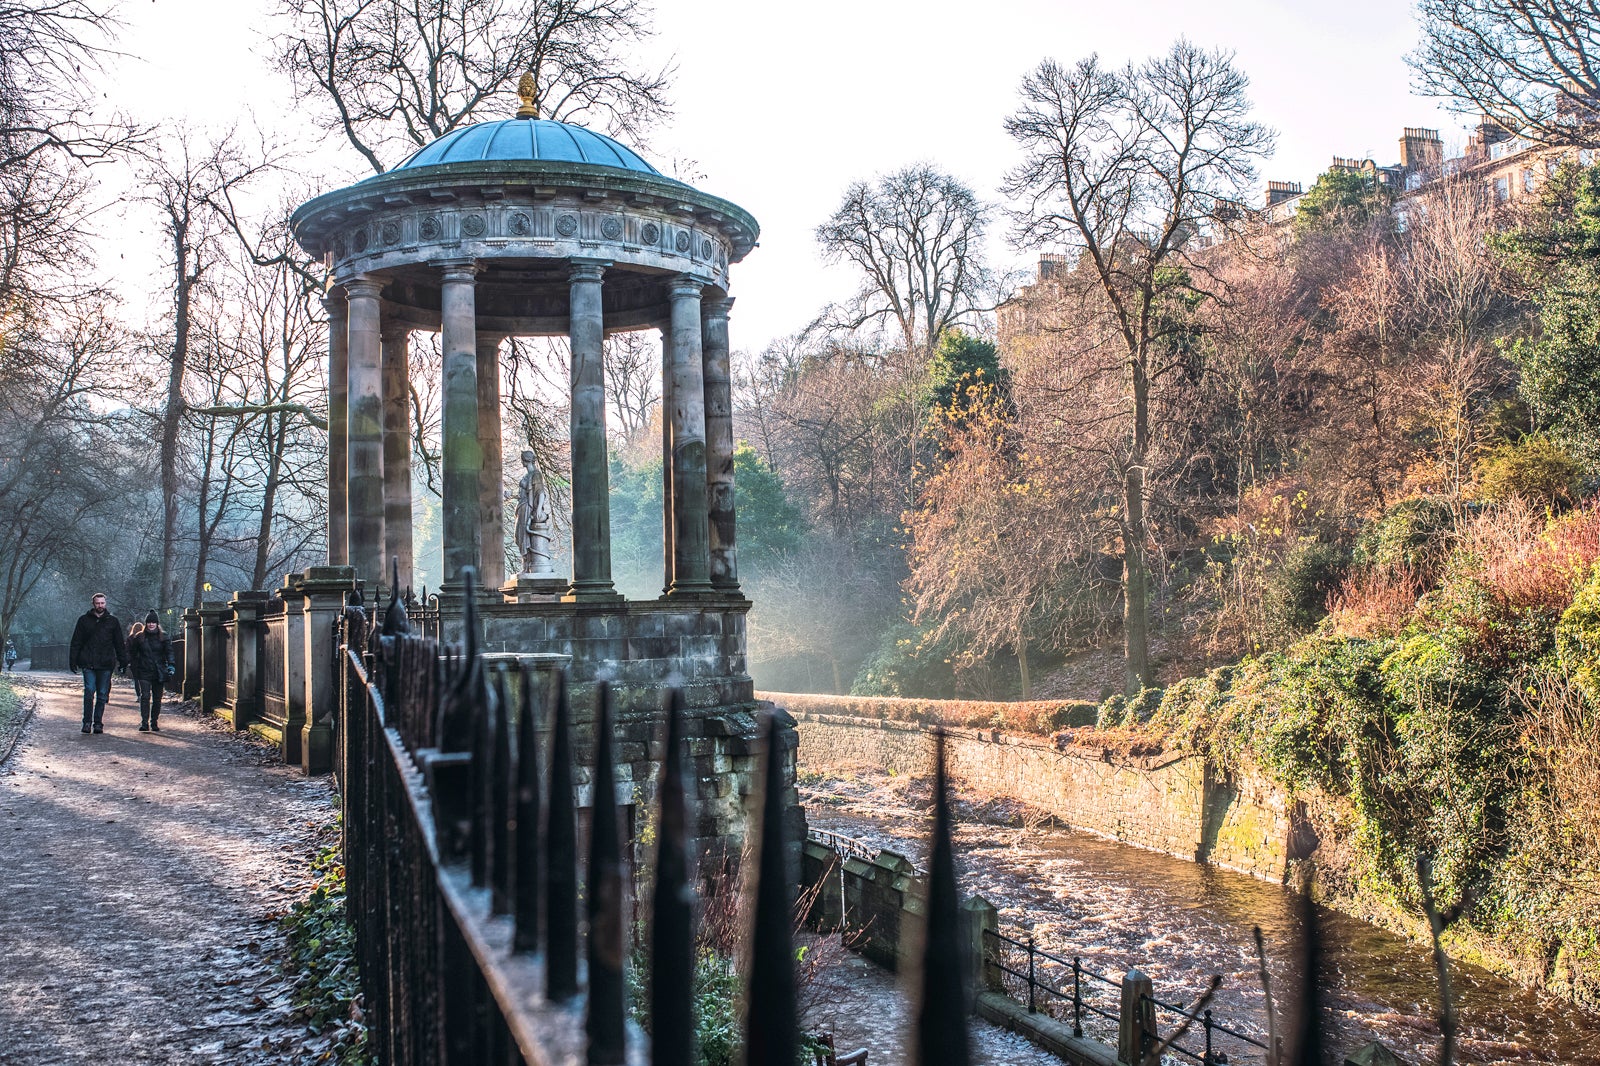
(140, 878)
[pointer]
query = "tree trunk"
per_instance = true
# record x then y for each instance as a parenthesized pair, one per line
(1022, 668)
(1135, 536)
(277, 435)
(172, 416)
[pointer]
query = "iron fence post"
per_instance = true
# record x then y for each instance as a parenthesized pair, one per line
(1077, 996)
(1206, 1022)
(1031, 1007)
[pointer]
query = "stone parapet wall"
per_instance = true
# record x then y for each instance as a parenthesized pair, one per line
(1172, 803)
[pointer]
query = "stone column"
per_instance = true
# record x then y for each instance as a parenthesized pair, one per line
(338, 425)
(719, 446)
(296, 665)
(666, 457)
(324, 589)
(397, 537)
(192, 644)
(214, 615)
(463, 457)
(365, 446)
(591, 493)
(491, 478)
(690, 559)
(248, 606)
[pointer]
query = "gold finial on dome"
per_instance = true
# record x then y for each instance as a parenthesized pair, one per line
(529, 91)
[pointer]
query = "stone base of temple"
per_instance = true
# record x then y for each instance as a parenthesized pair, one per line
(644, 649)
(534, 588)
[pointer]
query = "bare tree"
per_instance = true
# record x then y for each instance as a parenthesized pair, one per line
(916, 238)
(188, 182)
(392, 75)
(1531, 65)
(633, 380)
(1127, 167)
(47, 50)
(62, 468)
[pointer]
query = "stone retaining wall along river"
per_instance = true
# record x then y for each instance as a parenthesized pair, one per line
(1171, 803)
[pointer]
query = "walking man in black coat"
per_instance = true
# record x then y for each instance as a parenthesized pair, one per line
(98, 647)
(150, 663)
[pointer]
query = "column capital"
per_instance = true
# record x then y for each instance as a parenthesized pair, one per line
(584, 268)
(363, 286)
(490, 342)
(680, 286)
(465, 269)
(335, 302)
(715, 307)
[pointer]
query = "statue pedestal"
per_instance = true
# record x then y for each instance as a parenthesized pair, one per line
(534, 588)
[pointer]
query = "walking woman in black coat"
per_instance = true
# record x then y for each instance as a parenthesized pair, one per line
(150, 663)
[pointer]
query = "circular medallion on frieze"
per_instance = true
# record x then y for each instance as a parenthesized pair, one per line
(520, 225)
(650, 233)
(358, 241)
(431, 230)
(473, 225)
(611, 229)
(705, 249)
(390, 233)
(683, 242)
(567, 225)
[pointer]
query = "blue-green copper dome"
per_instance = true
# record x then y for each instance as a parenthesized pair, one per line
(528, 139)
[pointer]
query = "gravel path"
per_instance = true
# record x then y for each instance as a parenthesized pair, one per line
(140, 876)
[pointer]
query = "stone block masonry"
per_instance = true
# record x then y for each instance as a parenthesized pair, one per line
(1172, 803)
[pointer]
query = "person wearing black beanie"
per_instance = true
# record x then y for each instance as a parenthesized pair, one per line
(150, 663)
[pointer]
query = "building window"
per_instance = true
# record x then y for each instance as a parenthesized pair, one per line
(1586, 157)
(1502, 190)
(1527, 180)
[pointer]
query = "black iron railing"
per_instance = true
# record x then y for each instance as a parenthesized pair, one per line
(843, 845)
(462, 868)
(1037, 971)
(1211, 1033)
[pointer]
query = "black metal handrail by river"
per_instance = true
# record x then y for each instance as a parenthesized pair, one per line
(1034, 983)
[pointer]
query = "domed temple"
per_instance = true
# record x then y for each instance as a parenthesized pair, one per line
(531, 227)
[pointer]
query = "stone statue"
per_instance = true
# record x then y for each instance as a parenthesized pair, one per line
(534, 520)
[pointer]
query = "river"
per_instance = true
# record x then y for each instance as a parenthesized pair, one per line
(1116, 907)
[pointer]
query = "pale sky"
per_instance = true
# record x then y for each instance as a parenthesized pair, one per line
(782, 106)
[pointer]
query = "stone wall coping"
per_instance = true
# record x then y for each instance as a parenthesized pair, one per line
(995, 736)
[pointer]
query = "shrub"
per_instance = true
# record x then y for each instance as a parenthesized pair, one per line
(1373, 602)
(1578, 639)
(905, 663)
(1142, 706)
(1535, 470)
(1413, 536)
(1113, 713)
(1298, 592)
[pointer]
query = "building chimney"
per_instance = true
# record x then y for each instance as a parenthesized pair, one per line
(1051, 265)
(1421, 149)
(1279, 191)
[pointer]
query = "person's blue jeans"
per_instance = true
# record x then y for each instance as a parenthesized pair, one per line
(96, 690)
